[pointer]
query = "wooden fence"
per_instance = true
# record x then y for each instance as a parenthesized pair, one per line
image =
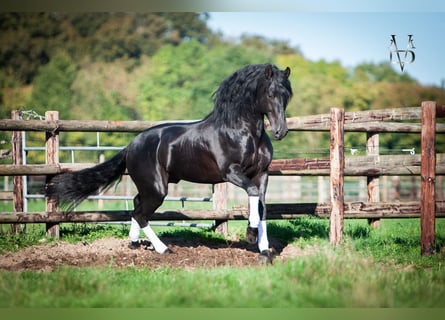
(399, 120)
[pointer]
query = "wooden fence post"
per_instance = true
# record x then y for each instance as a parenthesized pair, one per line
(17, 159)
(428, 175)
(52, 157)
(220, 203)
(372, 149)
(337, 168)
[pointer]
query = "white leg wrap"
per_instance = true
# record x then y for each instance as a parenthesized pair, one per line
(159, 246)
(254, 216)
(135, 230)
(263, 242)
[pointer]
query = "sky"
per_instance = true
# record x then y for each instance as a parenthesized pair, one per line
(350, 37)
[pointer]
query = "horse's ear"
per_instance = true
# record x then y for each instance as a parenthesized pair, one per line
(287, 72)
(268, 72)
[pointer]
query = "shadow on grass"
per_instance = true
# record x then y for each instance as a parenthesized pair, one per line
(281, 233)
(440, 244)
(289, 231)
(91, 231)
(310, 228)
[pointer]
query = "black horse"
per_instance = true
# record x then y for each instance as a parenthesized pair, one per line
(229, 145)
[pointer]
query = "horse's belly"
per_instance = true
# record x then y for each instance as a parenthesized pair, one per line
(197, 176)
(199, 169)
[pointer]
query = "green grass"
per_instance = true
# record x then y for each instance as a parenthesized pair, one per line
(373, 268)
(333, 278)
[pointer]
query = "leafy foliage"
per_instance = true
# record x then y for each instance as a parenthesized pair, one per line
(182, 79)
(157, 66)
(52, 88)
(30, 40)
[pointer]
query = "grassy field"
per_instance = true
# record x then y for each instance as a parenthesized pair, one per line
(373, 268)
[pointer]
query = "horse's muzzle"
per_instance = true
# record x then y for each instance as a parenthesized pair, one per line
(278, 125)
(280, 134)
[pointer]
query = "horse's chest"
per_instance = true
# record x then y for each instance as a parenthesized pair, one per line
(254, 161)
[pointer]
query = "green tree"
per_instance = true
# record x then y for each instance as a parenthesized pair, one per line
(52, 86)
(86, 24)
(380, 72)
(29, 40)
(157, 66)
(183, 78)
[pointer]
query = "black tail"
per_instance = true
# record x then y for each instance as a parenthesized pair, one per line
(70, 188)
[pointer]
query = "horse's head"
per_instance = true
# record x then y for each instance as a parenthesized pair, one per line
(273, 95)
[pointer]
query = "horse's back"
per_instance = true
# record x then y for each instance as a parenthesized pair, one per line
(178, 151)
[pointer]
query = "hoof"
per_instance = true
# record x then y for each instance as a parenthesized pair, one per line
(134, 245)
(265, 257)
(167, 251)
(251, 235)
(147, 245)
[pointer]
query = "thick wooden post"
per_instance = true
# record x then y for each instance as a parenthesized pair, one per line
(428, 175)
(372, 149)
(17, 158)
(52, 157)
(220, 203)
(337, 158)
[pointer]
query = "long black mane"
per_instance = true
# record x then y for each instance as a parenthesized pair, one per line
(237, 94)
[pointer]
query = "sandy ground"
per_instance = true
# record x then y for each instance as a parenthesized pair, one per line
(188, 254)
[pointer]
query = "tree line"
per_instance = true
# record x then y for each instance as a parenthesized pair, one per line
(166, 66)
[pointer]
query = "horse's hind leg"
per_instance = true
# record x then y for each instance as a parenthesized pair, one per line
(144, 207)
(135, 229)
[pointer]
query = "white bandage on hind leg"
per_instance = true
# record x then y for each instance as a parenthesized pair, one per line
(159, 246)
(263, 241)
(135, 231)
(254, 215)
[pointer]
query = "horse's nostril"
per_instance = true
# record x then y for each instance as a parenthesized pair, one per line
(280, 134)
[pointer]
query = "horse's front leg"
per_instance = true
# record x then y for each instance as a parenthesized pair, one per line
(236, 176)
(263, 242)
(256, 190)
(257, 230)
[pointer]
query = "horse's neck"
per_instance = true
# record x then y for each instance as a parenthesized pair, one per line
(252, 125)
(249, 127)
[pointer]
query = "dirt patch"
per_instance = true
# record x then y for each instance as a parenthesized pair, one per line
(188, 254)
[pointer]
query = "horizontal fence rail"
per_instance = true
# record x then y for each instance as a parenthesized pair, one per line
(352, 210)
(382, 165)
(387, 120)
